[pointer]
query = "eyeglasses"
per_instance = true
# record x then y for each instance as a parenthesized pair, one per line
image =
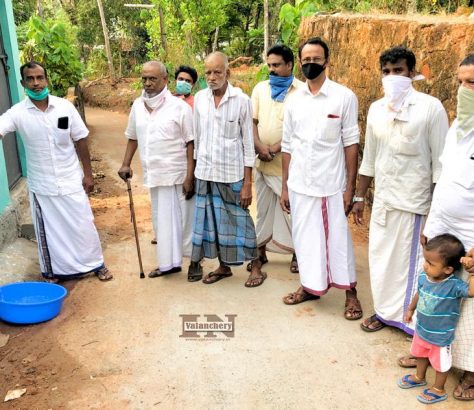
(318, 60)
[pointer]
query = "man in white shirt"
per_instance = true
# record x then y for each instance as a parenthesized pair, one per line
(268, 100)
(320, 148)
(225, 155)
(160, 126)
(54, 135)
(405, 136)
(452, 211)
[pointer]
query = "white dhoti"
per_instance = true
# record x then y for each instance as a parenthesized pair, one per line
(68, 242)
(463, 228)
(323, 243)
(273, 224)
(173, 223)
(395, 261)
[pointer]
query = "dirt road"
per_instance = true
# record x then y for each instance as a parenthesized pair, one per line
(117, 345)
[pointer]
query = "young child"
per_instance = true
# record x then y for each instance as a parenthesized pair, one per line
(437, 305)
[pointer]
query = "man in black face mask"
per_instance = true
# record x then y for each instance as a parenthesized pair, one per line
(268, 102)
(320, 150)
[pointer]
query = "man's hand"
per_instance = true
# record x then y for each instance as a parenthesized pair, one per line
(125, 172)
(88, 183)
(188, 188)
(246, 195)
(347, 198)
(358, 213)
(263, 152)
(468, 261)
(285, 201)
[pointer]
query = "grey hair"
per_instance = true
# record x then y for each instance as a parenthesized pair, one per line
(159, 65)
(221, 55)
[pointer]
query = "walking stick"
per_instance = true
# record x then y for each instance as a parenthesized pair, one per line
(132, 214)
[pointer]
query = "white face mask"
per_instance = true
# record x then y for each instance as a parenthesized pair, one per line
(154, 101)
(396, 88)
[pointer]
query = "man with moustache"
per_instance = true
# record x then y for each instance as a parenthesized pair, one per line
(405, 136)
(160, 126)
(320, 148)
(225, 155)
(54, 136)
(268, 100)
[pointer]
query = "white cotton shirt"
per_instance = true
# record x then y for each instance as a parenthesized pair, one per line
(162, 137)
(223, 136)
(316, 129)
(403, 154)
(51, 159)
(454, 193)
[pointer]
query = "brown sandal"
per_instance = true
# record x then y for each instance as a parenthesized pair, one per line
(465, 386)
(352, 309)
(407, 362)
(104, 275)
(213, 277)
(263, 260)
(260, 278)
(298, 297)
(365, 325)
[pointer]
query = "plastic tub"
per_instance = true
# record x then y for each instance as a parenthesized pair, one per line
(30, 302)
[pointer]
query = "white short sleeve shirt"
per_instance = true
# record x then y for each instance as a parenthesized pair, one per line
(51, 159)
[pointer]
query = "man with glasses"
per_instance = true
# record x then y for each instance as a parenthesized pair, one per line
(54, 136)
(160, 126)
(320, 149)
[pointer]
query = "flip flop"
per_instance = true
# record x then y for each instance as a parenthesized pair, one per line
(104, 275)
(263, 260)
(465, 385)
(407, 362)
(436, 397)
(370, 320)
(262, 277)
(352, 306)
(213, 277)
(406, 383)
(299, 298)
(157, 273)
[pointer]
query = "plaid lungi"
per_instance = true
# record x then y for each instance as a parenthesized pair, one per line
(221, 227)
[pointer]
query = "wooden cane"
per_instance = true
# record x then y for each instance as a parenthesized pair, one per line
(132, 214)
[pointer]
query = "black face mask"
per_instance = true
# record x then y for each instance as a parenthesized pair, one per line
(312, 70)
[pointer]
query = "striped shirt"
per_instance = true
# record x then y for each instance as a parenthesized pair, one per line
(223, 139)
(438, 308)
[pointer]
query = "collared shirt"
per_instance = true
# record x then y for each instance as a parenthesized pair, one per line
(162, 136)
(269, 114)
(454, 193)
(403, 154)
(223, 136)
(52, 162)
(316, 128)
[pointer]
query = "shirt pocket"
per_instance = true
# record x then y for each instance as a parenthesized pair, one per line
(465, 173)
(408, 146)
(332, 128)
(231, 129)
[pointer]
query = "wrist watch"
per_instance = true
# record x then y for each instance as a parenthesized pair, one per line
(358, 199)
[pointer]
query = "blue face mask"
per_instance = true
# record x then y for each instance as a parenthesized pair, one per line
(279, 86)
(183, 88)
(37, 96)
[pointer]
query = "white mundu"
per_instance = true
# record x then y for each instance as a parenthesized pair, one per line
(68, 242)
(401, 154)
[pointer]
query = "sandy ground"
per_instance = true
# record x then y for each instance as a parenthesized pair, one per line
(117, 345)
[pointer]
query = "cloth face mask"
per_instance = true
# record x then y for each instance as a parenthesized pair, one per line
(312, 70)
(183, 88)
(465, 111)
(37, 96)
(396, 88)
(155, 101)
(279, 86)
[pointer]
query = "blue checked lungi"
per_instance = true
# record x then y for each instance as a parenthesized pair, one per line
(221, 227)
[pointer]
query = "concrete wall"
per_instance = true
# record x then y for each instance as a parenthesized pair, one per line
(356, 42)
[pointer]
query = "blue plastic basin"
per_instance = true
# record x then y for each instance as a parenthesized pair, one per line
(30, 302)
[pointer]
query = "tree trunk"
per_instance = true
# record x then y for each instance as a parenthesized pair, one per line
(266, 33)
(106, 40)
(216, 39)
(39, 4)
(164, 45)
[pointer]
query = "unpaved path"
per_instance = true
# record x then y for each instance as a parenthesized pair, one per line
(116, 345)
